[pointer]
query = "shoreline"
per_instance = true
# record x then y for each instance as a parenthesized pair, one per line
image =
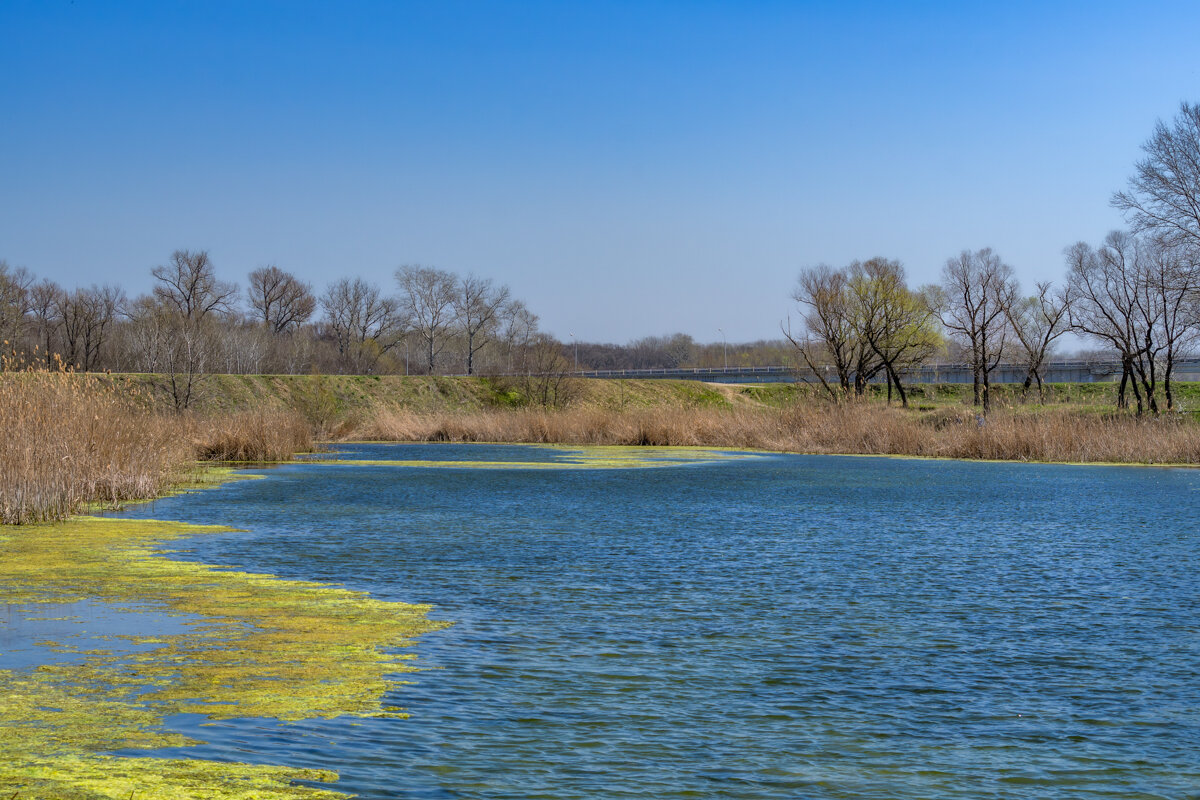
(83, 443)
(256, 646)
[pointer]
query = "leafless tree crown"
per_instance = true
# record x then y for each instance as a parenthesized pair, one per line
(280, 300)
(1163, 195)
(978, 289)
(427, 300)
(188, 285)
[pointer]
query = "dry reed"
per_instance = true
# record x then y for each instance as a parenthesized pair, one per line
(254, 435)
(72, 440)
(860, 428)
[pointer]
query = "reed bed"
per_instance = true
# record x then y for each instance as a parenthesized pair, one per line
(860, 428)
(72, 440)
(254, 435)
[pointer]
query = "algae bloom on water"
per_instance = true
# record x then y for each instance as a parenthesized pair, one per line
(258, 646)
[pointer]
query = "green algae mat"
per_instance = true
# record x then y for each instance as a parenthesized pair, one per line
(256, 646)
(553, 456)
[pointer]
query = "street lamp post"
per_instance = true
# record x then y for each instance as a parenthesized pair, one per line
(575, 342)
(724, 348)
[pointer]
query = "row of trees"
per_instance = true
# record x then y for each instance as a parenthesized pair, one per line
(1136, 295)
(192, 322)
(436, 322)
(681, 351)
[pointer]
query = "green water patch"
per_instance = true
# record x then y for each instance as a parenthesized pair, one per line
(253, 646)
(570, 457)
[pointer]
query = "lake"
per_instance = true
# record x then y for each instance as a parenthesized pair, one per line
(773, 626)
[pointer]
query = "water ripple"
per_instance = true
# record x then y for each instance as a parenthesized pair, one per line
(781, 627)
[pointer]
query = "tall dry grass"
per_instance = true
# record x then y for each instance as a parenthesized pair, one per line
(252, 435)
(871, 429)
(71, 440)
(68, 441)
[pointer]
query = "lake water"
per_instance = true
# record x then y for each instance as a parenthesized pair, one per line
(771, 627)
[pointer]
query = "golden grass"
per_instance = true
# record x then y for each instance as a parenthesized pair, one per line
(861, 428)
(71, 440)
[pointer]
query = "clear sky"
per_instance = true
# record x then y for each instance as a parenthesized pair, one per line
(628, 168)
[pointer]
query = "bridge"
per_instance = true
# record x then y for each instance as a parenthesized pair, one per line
(1065, 371)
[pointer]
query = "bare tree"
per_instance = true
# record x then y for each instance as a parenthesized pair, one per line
(188, 285)
(241, 345)
(187, 351)
(1164, 193)
(1171, 276)
(85, 317)
(43, 302)
(280, 300)
(15, 283)
(176, 348)
(896, 323)
(477, 305)
(363, 323)
(428, 302)
(1108, 305)
(833, 333)
(1037, 322)
(978, 288)
(518, 329)
(548, 381)
(145, 330)
(1162, 201)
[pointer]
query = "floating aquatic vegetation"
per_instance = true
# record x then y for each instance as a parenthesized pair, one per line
(254, 646)
(570, 457)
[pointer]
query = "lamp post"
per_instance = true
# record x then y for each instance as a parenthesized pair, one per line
(724, 349)
(575, 342)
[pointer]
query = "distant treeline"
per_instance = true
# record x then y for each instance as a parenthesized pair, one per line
(431, 322)
(193, 323)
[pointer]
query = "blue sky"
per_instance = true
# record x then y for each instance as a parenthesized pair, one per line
(628, 168)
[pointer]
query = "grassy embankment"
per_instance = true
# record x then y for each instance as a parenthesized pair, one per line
(1077, 422)
(75, 440)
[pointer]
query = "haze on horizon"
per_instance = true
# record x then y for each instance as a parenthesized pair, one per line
(627, 168)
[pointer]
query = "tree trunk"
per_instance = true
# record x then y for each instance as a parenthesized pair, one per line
(1167, 382)
(893, 377)
(1137, 392)
(813, 368)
